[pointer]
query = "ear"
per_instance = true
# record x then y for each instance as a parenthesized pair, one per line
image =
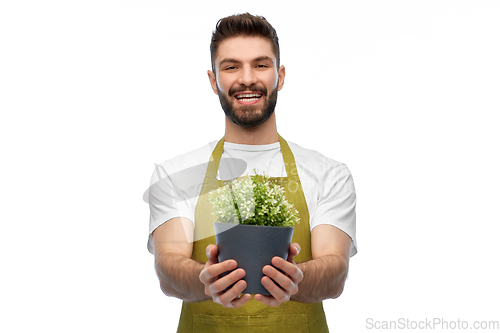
(213, 81)
(281, 77)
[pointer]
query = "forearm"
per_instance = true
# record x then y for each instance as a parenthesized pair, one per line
(324, 278)
(179, 277)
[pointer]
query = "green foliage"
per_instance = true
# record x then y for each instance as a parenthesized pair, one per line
(254, 200)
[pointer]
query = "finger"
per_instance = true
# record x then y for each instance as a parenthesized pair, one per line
(212, 251)
(267, 300)
(239, 301)
(293, 251)
(224, 282)
(288, 268)
(282, 281)
(213, 270)
(232, 294)
(278, 293)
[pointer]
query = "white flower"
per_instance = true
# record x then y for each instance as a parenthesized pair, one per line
(239, 200)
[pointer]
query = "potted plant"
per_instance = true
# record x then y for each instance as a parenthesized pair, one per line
(254, 223)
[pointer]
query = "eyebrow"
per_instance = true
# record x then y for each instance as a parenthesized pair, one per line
(230, 60)
(263, 58)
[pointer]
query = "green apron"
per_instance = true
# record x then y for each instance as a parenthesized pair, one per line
(289, 317)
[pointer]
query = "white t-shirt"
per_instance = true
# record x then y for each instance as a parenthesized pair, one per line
(327, 184)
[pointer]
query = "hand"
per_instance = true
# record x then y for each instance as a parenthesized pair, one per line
(284, 285)
(215, 286)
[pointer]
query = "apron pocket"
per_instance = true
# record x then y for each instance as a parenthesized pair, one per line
(289, 323)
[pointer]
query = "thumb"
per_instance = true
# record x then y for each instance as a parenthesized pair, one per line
(212, 251)
(293, 250)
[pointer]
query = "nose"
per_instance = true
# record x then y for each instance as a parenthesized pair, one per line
(247, 76)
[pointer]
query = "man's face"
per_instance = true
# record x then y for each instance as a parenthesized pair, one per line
(247, 80)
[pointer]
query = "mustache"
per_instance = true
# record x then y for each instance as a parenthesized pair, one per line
(235, 90)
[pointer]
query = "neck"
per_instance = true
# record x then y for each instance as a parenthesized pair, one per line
(263, 134)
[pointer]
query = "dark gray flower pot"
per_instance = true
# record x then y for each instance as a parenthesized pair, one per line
(253, 247)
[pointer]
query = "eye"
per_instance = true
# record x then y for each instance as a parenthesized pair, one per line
(262, 66)
(229, 68)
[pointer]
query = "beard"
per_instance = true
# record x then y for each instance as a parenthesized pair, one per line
(248, 115)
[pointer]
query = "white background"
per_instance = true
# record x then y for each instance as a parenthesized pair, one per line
(93, 93)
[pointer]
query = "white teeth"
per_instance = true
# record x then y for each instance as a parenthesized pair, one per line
(256, 96)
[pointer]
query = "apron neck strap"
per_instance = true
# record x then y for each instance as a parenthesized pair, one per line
(289, 160)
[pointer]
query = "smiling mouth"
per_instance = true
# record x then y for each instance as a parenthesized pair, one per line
(248, 98)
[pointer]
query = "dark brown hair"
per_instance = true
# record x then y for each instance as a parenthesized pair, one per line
(243, 25)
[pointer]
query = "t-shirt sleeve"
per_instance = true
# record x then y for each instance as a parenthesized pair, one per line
(165, 200)
(337, 203)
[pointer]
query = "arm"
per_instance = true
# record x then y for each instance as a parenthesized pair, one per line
(177, 272)
(325, 274)
(321, 278)
(184, 278)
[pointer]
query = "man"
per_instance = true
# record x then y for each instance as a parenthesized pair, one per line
(246, 75)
